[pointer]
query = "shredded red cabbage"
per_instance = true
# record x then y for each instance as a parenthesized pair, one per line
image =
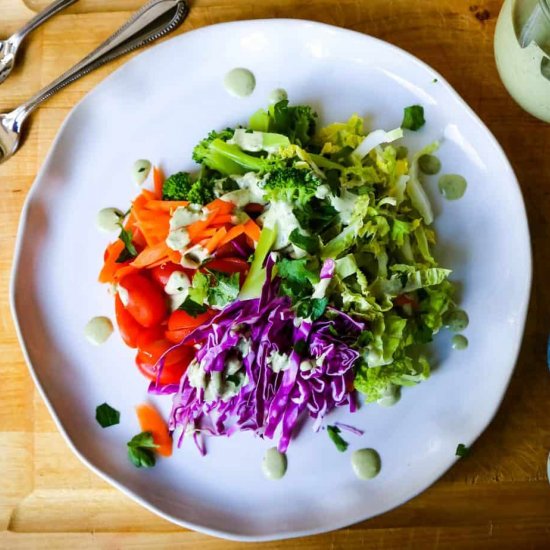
(316, 377)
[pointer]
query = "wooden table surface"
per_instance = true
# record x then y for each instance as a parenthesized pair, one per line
(498, 497)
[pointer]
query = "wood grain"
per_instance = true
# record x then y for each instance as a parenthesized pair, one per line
(498, 497)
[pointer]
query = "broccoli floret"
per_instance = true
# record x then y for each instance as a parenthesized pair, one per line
(202, 191)
(291, 185)
(180, 187)
(177, 187)
(228, 159)
(297, 122)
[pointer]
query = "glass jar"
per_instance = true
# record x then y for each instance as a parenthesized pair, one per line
(522, 52)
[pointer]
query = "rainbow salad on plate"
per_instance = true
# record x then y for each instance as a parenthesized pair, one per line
(291, 275)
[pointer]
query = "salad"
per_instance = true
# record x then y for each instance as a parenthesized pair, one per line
(293, 274)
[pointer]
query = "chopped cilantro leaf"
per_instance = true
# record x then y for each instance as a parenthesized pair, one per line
(192, 307)
(106, 416)
(129, 250)
(334, 434)
(313, 308)
(141, 450)
(305, 242)
(224, 288)
(462, 450)
(413, 118)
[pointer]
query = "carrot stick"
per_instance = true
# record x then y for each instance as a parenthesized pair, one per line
(165, 206)
(252, 230)
(215, 240)
(233, 233)
(151, 254)
(149, 195)
(196, 229)
(223, 219)
(223, 207)
(151, 421)
(123, 271)
(158, 180)
(110, 267)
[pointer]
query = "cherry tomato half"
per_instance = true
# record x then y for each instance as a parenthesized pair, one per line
(180, 319)
(176, 336)
(146, 302)
(175, 363)
(128, 327)
(161, 273)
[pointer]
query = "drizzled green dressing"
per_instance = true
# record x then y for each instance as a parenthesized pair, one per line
(239, 82)
(277, 95)
(452, 186)
(459, 342)
(429, 164)
(366, 463)
(456, 320)
(274, 464)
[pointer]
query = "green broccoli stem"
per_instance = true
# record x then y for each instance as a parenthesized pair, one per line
(241, 162)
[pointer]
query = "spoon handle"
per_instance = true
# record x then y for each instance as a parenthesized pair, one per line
(155, 19)
(38, 19)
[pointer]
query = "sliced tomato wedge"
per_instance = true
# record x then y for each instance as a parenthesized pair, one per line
(161, 273)
(128, 327)
(175, 362)
(180, 319)
(146, 302)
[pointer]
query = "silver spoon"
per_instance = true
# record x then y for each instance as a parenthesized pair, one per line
(9, 47)
(157, 18)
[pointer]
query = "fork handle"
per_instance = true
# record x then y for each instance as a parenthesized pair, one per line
(155, 19)
(38, 19)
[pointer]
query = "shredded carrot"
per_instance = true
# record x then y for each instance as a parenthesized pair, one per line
(223, 219)
(149, 195)
(152, 254)
(110, 267)
(252, 230)
(223, 207)
(158, 180)
(197, 228)
(233, 233)
(215, 240)
(123, 271)
(151, 421)
(165, 206)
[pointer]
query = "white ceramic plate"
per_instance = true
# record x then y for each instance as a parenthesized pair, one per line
(158, 106)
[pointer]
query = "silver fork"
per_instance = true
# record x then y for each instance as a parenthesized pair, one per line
(157, 18)
(9, 47)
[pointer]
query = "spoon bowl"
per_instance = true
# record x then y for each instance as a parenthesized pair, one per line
(155, 19)
(7, 58)
(9, 135)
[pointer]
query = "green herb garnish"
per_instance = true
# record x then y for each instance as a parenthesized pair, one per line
(305, 242)
(413, 118)
(224, 288)
(106, 416)
(462, 450)
(312, 309)
(129, 250)
(192, 307)
(334, 434)
(141, 450)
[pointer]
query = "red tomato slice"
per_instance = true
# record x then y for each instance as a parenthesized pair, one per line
(229, 265)
(175, 363)
(176, 336)
(146, 302)
(128, 327)
(161, 273)
(180, 319)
